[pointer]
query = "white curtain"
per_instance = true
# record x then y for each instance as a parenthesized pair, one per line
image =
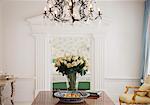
(146, 41)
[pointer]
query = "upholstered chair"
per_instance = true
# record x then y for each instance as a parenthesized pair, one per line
(141, 94)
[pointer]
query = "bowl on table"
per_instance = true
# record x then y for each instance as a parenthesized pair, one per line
(71, 96)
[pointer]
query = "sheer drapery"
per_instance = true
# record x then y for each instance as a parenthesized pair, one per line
(146, 36)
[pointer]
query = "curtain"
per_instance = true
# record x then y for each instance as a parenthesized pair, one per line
(146, 41)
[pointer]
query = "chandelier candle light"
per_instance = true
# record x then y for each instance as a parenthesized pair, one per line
(71, 11)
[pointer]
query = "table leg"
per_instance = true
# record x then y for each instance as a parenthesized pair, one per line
(1, 97)
(12, 93)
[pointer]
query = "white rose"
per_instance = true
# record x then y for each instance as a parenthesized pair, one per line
(78, 61)
(58, 63)
(69, 58)
(69, 65)
(65, 58)
(75, 58)
(61, 61)
(81, 61)
(65, 62)
(74, 63)
(84, 68)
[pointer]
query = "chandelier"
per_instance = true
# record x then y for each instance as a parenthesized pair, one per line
(71, 11)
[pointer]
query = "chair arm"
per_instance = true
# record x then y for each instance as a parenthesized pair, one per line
(129, 87)
(135, 92)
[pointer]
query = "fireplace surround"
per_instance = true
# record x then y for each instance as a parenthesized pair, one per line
(43, 32)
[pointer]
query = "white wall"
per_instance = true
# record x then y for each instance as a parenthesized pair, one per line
(1, 39)
(19, 46)
(123, 58)
(124, 39)
(123, 44)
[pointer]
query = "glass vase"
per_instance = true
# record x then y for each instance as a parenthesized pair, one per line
(72, 81)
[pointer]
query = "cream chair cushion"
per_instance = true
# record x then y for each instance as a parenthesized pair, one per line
(127, 98)
(145, 86)
(148, 94)
(147, 79)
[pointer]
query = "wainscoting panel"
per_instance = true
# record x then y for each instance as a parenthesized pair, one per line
(25, 87)
(24, 90)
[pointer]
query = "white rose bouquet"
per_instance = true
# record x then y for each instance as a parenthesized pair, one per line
(71, 64)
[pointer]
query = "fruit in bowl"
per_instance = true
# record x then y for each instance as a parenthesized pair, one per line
(72, 95)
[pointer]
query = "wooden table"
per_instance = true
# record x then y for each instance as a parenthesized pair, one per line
(3, 83)
(46, 98)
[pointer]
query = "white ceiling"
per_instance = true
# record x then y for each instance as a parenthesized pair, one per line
(96, 0)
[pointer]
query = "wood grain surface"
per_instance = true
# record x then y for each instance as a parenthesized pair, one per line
(46, 98)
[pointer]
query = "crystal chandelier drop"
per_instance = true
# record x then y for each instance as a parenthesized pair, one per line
(71, 11)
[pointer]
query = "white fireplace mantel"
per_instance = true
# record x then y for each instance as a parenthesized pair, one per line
(43, 31)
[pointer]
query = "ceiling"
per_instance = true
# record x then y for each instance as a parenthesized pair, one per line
(96, 0)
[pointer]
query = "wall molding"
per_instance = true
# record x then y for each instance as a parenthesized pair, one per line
(121, 78)
(25, 76)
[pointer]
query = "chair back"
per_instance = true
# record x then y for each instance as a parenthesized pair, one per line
(84, 86)
(63, 86)
(147, 79)
(59, 86)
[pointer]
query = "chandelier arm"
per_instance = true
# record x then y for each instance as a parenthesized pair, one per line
(97, 17)
(82, 9)
(71, 11)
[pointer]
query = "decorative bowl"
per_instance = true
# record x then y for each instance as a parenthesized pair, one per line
(71, 96)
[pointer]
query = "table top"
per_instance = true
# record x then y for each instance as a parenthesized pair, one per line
(46, 98)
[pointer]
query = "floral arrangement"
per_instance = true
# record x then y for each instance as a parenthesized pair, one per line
(71, 64)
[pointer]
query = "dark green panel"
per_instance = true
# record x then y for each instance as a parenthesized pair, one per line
(84, 86)
(59, 86)
(63, 86)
